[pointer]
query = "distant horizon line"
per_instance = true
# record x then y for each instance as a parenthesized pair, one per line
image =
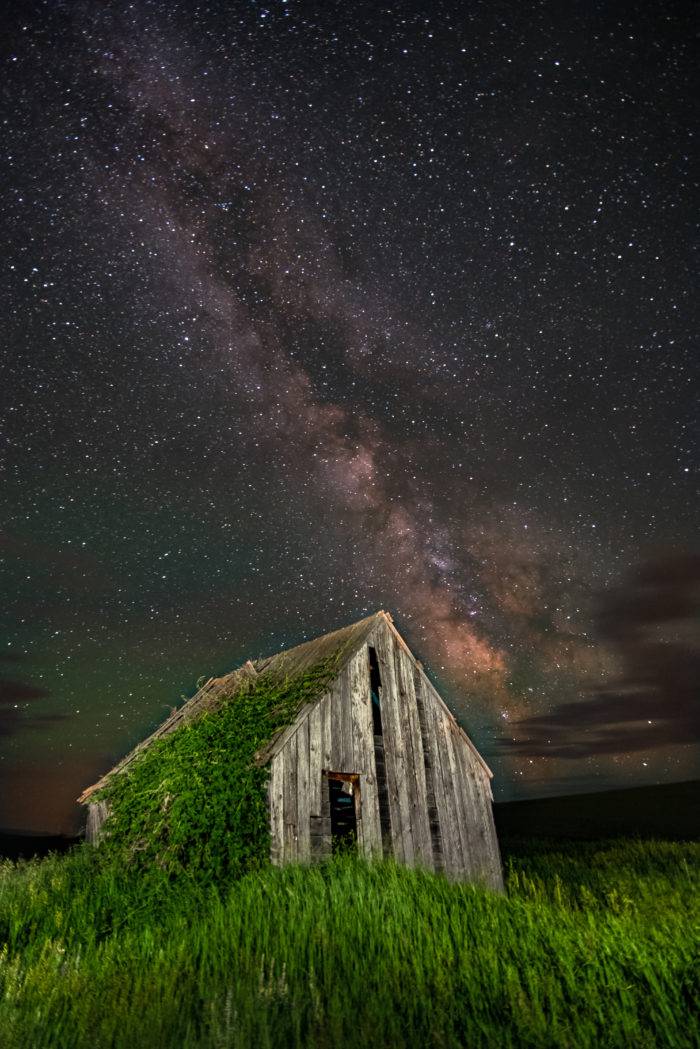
(23, 832)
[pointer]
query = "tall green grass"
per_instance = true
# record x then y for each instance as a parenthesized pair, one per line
(594, 945)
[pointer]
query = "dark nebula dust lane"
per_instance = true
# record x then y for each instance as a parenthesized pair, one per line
(311, 309)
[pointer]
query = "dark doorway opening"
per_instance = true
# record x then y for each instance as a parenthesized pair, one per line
(343, 794)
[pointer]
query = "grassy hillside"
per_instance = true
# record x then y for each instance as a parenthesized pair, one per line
(593, 945)
(670, 811)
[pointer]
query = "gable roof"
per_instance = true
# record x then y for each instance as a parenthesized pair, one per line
(342, 644)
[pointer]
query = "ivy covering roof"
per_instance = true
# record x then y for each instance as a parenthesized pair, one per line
(329, 650)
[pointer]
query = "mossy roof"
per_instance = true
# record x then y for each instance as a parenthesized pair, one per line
(339, 645)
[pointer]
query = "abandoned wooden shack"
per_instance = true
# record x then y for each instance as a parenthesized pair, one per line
(375, 762)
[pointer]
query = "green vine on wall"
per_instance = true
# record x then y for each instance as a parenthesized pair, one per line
(194, 803)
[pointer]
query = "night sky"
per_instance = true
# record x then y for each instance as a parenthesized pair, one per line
(310, 309)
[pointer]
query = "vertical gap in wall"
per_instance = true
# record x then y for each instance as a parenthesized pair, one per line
(435, 836)
(375, 684)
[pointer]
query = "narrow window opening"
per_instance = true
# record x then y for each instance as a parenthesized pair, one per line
(343, 796)
(375, 684)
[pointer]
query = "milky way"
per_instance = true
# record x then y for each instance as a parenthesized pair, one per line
(315, 309)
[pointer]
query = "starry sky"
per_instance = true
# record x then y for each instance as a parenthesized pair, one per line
(311, 309)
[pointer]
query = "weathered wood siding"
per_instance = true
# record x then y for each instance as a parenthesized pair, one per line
(438, 787)
(335, 736)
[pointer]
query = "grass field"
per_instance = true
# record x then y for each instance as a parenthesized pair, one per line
(593, 945)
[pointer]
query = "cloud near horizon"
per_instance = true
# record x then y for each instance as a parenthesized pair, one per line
(16, 697)
(652, 621)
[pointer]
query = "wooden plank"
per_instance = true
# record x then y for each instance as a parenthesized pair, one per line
(471, 812)
(415, 759)
(480, 801)
(357, 763)
(498, 880)
(394, 750)
(409, 743)
(360, 712)
(98, 811)
(336, 728)
(275, 796)
(303, 800)
(344, 719)
(320, 838)
(493, 837)
(493, 871)
(451, 852)
(289, 786)
(326, 733)
(315, 723)
(359, 820)
(483, 803)
(363, 752)
(289, 843)
(458, 800)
